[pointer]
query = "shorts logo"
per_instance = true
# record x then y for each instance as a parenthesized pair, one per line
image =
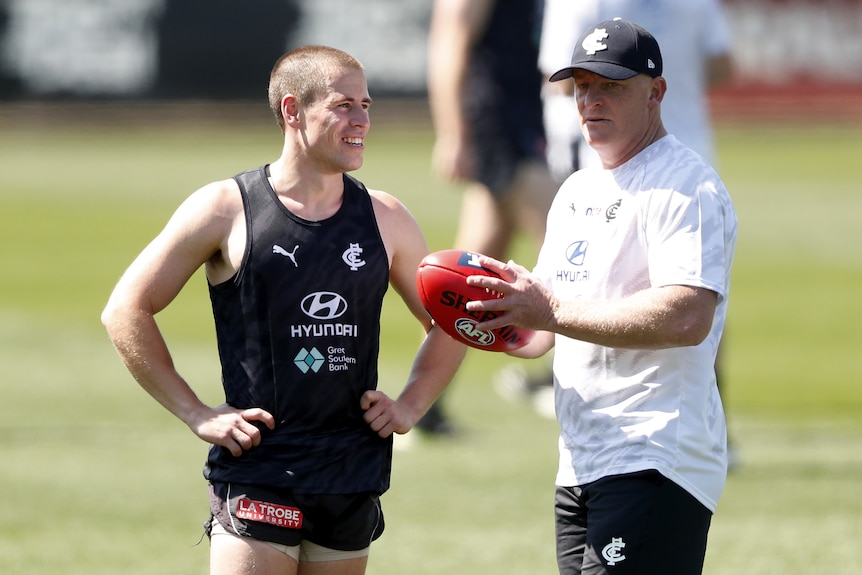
(613, 551)
(263, 512)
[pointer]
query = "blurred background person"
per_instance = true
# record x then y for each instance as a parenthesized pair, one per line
(484, 88)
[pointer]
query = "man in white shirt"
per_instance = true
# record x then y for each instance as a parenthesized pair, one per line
(631, 287)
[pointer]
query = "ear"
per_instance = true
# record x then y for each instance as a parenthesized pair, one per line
(290, 108)
(658, 88)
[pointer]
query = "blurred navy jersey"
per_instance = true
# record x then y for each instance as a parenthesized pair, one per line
(503, 94)
(298, 335)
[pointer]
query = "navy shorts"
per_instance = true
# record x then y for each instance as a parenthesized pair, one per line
(346, 522)
(633, 524)
(505, 133)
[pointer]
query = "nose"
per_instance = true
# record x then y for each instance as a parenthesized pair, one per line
(360, 117)
(590, 95)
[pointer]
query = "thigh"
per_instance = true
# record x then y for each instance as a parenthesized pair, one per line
(484, 226)
(644, 524)
(531, 198)
(234, 555)
(355, 566)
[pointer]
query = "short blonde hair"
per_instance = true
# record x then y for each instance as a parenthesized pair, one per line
(305, 73)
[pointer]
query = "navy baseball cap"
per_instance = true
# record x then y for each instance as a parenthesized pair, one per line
(616, 49)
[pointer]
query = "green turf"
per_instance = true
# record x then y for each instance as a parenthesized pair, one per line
(97, 479)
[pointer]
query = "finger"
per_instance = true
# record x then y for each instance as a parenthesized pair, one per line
(384, 425)
(232, 446)
(257, 414)
(377, 423)
(374, 415)
(494, 265)
(369, 398)
(246, 436)
(495, 304)
(492, 324)
(487, 282)
(386, 431)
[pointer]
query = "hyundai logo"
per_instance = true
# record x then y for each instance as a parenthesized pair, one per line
(323, 305)
(576, 252)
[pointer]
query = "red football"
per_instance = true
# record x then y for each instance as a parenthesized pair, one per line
(442, 283)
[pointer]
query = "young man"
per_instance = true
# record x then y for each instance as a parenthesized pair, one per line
(298, 256)
(631, 286)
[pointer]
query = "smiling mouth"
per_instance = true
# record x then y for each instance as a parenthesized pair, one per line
(354, 141)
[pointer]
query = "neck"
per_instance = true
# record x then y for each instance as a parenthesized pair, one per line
(312, 196)
(651, 136)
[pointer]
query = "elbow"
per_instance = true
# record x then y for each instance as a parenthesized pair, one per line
(108, 317)
(113, 317)
(692, 332)
(690, 321)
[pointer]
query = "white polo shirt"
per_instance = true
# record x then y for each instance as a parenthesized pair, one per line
(663, 218)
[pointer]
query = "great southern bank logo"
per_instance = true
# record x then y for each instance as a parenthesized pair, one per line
(307, 360)
(577, 252)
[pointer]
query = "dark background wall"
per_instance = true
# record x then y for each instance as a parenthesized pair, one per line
(224, 49)
(221, 48)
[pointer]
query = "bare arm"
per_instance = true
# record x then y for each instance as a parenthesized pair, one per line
(198, 233)
(654, 318)
(455, 25)
(439, 356)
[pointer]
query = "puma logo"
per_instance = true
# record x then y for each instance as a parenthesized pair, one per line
(277, 249)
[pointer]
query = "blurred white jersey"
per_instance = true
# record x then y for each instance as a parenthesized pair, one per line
(662, 218)
(689, 33)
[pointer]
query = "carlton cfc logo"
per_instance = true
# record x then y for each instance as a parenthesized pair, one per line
(593, 42)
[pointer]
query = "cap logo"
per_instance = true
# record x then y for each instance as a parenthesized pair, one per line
(593, 42)
(650, 64)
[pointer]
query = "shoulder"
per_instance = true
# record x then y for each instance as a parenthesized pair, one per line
(387, 208)
(397, 225)
(398, 228)
(217, 196)
(670, 159)
(586, 180)
(209, 213)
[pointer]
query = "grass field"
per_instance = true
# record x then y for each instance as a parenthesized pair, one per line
(97, 479)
